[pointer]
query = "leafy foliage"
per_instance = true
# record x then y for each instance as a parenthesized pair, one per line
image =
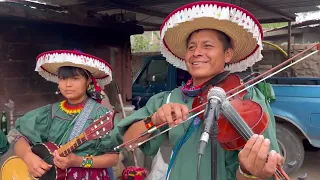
(144, 42)
(274, 25)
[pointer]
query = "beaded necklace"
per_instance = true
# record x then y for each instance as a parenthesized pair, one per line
(71, 109)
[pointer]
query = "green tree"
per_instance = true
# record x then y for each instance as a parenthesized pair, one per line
(274, 25)
(140, 43)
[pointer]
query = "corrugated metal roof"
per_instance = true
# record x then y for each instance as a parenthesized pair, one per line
(151, 13)
(287, 7)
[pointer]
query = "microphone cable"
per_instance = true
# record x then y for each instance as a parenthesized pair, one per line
(198, 166)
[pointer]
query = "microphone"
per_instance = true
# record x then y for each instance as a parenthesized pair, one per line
(236, 120)
(216, 96)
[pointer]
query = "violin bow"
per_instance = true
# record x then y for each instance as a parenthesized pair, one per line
(135, 145)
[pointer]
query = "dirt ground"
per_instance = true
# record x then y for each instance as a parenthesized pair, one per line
(311, 166)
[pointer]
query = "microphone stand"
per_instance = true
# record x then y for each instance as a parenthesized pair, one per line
(214, 145)
(215, 97)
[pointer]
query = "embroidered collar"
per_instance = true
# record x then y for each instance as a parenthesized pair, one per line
(72, 109)
(192, 91)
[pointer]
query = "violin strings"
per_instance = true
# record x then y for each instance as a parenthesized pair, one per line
(246, 132)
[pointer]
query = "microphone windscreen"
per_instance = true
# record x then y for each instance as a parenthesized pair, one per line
(218, 92)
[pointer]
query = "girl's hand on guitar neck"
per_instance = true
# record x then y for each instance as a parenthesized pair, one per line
(70, 160)
(36, 166)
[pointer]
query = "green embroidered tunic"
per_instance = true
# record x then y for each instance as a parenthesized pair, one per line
(4, 144)
(49, 123)
(185, 165)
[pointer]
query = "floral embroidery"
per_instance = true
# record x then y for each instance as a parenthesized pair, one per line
(189, 90)
(75, 175)
(87, 174)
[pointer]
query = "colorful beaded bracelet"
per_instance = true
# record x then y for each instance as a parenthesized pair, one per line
(148, 123)
(87, 161)
(246, 175)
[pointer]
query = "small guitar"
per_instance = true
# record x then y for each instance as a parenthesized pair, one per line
(15, 168)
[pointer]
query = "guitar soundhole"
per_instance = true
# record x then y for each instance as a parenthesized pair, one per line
(45, 155)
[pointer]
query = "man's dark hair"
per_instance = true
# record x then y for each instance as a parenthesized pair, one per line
(224, 39)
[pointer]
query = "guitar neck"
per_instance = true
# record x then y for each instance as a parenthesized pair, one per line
(72, 145)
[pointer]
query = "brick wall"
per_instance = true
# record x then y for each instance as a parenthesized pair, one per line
(21, 42)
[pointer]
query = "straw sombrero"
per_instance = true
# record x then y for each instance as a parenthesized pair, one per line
(241, 26)
(49, 62)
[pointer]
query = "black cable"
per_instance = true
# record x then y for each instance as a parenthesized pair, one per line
(214, 152)
(198, 168)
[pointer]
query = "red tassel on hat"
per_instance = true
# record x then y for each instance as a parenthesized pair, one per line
(96, 85)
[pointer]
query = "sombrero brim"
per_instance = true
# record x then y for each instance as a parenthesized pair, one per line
(48, 64)
(242, 28)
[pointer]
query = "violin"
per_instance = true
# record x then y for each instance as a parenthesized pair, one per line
(255, 120)
(233, 135)
(251, 112)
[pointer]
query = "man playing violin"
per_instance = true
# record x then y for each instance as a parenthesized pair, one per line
(206, 39)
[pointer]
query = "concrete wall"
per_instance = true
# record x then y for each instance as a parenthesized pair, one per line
(299, 35)
(310, 67)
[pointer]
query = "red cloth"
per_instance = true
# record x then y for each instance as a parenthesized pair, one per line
(134, 173)
(78, 173)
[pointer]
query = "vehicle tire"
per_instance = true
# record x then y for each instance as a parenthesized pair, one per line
(291, 148)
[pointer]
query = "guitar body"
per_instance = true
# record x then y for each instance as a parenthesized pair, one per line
(16, 168)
